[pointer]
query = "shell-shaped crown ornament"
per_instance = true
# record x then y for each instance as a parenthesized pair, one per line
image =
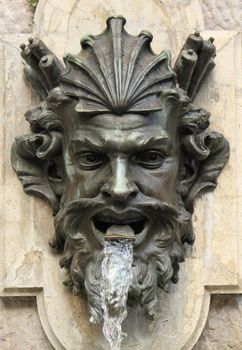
(117, 72)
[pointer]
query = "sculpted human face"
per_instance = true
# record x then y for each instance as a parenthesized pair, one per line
(102, 172)
(121, 162)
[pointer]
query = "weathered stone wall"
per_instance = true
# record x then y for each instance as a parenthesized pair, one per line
(15, 16)
(225, 14)
(223, 330)
(20, 327)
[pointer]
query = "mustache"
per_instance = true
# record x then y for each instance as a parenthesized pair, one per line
(144, 204)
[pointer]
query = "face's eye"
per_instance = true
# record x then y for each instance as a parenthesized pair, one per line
(149, 159)
(91, 160)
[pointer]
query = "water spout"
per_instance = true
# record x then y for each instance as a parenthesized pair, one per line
(115, 281)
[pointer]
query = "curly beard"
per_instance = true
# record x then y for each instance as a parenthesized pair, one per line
(155, 263)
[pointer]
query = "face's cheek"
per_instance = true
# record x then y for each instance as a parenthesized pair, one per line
(159, 183)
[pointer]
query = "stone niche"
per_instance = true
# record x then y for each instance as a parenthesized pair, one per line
(213, 265)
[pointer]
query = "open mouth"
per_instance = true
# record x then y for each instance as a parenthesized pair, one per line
(102, 223)
(137, 226)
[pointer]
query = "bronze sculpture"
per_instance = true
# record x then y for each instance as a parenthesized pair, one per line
(117, 141)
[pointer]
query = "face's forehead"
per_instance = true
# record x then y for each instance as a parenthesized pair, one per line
(165, 119)
(122, 132)
(110, 125)
(124, 122)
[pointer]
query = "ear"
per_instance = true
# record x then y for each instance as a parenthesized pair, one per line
(209, 168)
(54, 171)
(35, 175)
(188, 174)
(202, 166)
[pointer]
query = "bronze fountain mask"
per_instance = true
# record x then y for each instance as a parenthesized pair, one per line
(117, 141)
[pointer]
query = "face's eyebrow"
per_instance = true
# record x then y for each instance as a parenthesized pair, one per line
(133, 142)
(155, 141)
(146, 141)
(85, 144)
(87, 139)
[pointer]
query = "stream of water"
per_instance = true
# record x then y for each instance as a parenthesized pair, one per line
(115, 282)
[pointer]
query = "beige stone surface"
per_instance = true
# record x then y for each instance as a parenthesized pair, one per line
(15, 16)
(224, 325)
(20, 328)
(224, 14)
(19, 315)
(214, 260)
(72, 19)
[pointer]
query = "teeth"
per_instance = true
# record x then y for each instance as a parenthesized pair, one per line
(111, 220)
(121, 222)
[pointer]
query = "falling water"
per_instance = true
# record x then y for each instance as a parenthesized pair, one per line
(115, 282)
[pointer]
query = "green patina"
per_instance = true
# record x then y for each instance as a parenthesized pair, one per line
(33, 3)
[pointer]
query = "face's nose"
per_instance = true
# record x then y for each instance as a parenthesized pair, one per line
(119, 186)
